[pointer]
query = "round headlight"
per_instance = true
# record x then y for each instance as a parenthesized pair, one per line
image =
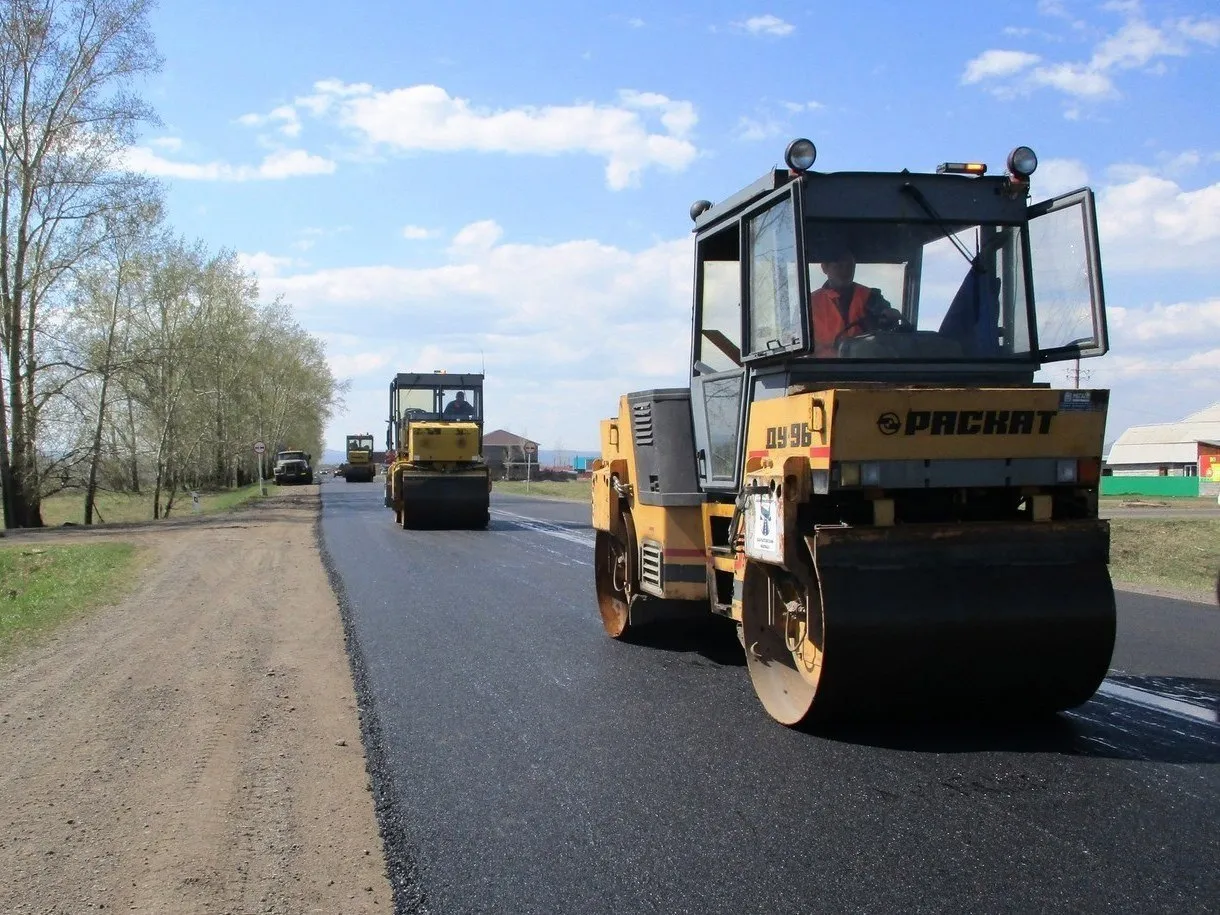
(698, 208)
(800, 155)
(1022, 161)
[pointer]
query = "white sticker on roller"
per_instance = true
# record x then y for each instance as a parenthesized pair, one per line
(764, 527)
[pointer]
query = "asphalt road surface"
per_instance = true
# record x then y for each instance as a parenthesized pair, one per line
(524, 762)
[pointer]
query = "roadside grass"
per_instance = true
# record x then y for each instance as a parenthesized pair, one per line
(127, 507)
(1174, 552)
(576, 490)
(43, 586)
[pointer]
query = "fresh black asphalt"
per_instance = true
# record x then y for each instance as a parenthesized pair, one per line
(523, 762)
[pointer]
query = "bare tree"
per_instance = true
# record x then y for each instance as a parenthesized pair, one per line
(66, 114)
(106, 313)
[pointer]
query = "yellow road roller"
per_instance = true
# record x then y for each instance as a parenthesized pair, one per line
(360, 466)
(438, 478)
(863, 473)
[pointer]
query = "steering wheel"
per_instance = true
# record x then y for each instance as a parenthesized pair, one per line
(896, 325)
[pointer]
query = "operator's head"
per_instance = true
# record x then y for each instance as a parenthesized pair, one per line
(461, 396)
(839, 265)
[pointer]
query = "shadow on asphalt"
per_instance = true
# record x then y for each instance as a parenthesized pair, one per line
(714, 640)
(1105, 727)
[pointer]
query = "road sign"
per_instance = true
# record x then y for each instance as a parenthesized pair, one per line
(259, 447)
(531, 448)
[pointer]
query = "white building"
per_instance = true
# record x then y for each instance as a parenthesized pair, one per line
(1188, 448)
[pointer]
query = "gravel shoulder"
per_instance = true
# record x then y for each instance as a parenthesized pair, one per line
(196, 748)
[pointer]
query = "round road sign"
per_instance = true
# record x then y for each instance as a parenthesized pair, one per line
(259, 447)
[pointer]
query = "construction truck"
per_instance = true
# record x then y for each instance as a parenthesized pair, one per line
(359, 467)
(293, 467)
(438, 477)
(863, 473)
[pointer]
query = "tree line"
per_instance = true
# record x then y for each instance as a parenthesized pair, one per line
(134, 360)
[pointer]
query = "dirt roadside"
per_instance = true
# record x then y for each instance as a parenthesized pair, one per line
(197, 748)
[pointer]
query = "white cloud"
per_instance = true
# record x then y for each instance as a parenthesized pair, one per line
(1136, 45)
(264, 265)
(289, 163)
(754, 129)
(767, 25)
(417, 233)
(478, 238)
(1058, 176)
(286, 163)
(173, 144)
(428, 118)
(636, 22)
(1152, 223)
(798, 107)
(563, 328)
(1160, 327)
(353, 365)
(284, 118)
(997, 63)
(1075, 80)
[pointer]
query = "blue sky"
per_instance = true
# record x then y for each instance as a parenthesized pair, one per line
(507, 183)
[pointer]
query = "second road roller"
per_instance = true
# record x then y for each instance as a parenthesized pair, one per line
(438, 477)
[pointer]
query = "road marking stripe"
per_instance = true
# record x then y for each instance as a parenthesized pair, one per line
(1177, 707)
(542, 527)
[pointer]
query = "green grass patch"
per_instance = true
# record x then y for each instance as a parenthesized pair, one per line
(1173, 552)
(128, 507)
(576, 490)
(42, 586)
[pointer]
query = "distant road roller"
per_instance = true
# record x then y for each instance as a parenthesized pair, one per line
(438, 477)
(360, 465)
(863, 473)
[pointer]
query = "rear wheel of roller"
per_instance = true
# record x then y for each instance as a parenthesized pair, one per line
(614, 571)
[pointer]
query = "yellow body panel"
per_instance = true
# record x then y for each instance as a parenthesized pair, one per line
(677, 533)
(430, 442)
(927, 423)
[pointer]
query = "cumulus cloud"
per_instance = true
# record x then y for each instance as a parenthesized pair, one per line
(353, 365)
(264, 265)
(638, 131)
(1058, 176)
(278, 165)
(772, 119)
(1136, 45)
(283, 118)
(997, 63)
(417, 233)
(1152, 223)
(767, 25)
(1160, 326)
(562, 328)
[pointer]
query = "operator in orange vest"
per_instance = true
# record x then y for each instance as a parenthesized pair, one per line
(843, 308)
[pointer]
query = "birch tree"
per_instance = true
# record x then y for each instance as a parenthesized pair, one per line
(66, 114)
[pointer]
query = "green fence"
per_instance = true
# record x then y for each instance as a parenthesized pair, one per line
(1172, 487)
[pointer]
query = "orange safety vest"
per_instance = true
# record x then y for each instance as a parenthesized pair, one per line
(827, 319)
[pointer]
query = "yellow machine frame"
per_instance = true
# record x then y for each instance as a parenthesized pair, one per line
(438, 477)
(885, 535)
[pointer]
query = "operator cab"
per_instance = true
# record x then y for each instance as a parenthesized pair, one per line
(433, 397)
(883, 277)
